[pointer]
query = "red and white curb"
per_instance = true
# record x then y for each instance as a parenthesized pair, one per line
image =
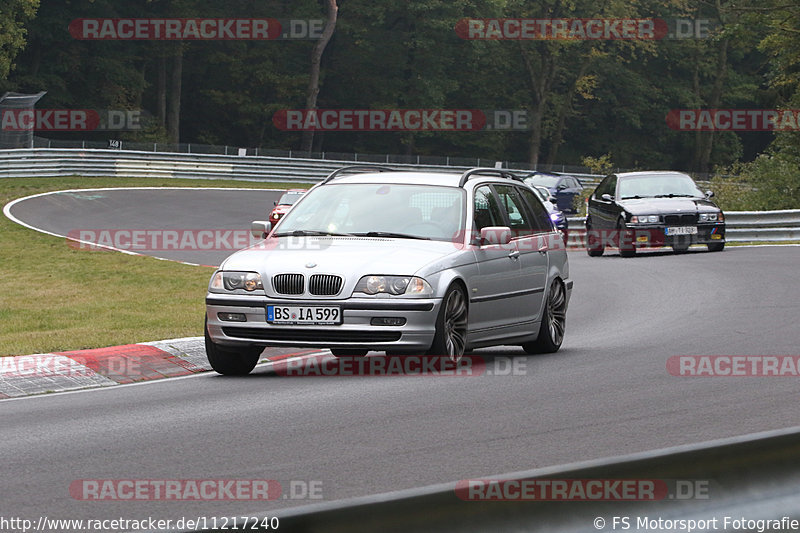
(25, 375)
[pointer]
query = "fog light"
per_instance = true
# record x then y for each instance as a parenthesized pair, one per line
(716, 236)
(387, 321)
(232, 317)
(642, 238)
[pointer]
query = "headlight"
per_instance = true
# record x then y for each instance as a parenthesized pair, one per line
(410, 285)
(645, 219)
(555, 217)
(230, 281)
(711, 217)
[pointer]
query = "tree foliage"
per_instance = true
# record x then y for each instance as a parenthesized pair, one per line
(13, 16)
(583, 98)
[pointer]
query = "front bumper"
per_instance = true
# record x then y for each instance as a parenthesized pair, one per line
(355, 331)
(654, 235)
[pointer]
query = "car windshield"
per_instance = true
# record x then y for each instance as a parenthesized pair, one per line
(654, 186)
(290, 198)
(545, 181)
(379, 210)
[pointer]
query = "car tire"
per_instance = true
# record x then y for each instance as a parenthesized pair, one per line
(594, 245)
(231, 361)
(554, 321)
(716, 246)
(450, 338)
(626, 249)
(344, 352)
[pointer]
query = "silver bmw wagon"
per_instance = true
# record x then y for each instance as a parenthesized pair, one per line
(374, 259)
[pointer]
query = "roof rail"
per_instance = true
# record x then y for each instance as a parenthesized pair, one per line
(359, 168)
(502, 172)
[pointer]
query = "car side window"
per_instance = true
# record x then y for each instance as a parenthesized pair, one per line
(612, 186)
(600, 191)
(540, 217)
(514, 205)
(486, 211)
(607, 186)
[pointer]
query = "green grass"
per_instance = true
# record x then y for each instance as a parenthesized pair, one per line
(54, 297)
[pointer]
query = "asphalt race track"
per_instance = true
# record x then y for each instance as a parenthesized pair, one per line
(606, 393)
(67, 213)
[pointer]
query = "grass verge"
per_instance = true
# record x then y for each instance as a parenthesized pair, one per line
(55, 298)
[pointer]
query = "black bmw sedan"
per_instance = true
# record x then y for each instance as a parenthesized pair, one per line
(648, 209)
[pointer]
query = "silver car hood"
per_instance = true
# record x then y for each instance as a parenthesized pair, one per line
(343, 255)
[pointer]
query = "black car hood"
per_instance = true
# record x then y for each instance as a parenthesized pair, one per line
(658, 206)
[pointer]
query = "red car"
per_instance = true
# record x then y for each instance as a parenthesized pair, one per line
(283, 205)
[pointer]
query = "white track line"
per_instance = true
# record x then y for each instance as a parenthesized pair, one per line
(12, 203)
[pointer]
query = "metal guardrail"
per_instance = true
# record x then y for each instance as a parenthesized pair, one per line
(352, 157)
(59, 162)
(740, 226)
(753, 477)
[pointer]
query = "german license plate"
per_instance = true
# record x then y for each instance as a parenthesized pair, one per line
(681, 230)
(305, 315)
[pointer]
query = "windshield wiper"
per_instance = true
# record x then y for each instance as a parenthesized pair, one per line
(671, 195)
(391, 234)
(635, 196)
(311, 233)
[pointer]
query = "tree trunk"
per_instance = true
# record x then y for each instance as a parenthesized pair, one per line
(174, 110)
(563, 112)
(536, 138)
(316, 60)
(540, 84)
(161, 96)
(707, 137)
(698, 98)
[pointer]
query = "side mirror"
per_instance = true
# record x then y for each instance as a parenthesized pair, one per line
(260, 229)
(607, 197)
(709, 194)
(275, 203)
(562, 187)
(497, 235)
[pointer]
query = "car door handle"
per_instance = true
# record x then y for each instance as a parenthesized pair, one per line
(514, 254)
